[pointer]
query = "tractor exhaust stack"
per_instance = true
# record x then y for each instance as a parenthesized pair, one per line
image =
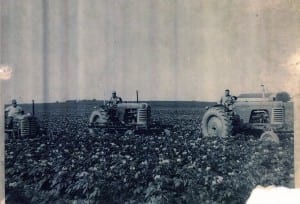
(263, 91)
(33, 111)
(137, 96)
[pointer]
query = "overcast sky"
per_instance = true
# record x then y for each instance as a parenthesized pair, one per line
(168, 50)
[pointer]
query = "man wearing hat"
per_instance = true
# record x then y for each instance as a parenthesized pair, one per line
(114, 100)
(114, 111)
(13, 111)
(226, 98)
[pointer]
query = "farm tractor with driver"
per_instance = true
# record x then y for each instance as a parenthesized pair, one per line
(123, 116)
(266, 117)
(23, 125)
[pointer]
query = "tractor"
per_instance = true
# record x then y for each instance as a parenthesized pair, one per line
(265, 117)
(24, 125)
(124, 116)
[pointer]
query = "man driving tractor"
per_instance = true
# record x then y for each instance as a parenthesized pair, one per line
(112, 103)
(13, 111)
(227, 100)
(114, 100)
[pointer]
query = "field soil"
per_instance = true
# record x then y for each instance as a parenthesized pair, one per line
(177, 165)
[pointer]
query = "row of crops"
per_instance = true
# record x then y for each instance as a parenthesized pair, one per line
(178, 165)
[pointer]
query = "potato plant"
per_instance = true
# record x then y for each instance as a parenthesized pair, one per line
(177, 165)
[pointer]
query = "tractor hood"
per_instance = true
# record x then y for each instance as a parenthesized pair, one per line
(273, 104)
(133, 105)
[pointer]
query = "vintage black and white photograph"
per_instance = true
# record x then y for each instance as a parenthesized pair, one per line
(137, 101)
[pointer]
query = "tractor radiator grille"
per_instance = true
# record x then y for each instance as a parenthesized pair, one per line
(142, 116)
(277, 115)
(28, 126)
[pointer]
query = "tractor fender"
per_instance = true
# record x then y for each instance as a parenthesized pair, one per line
(99, 116)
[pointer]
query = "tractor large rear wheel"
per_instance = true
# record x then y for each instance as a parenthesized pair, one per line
(216, 122)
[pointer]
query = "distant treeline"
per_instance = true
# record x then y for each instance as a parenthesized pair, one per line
(154, 103)
(188, 104)
(91, 103)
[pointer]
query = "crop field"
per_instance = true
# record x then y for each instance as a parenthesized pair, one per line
(65, 164)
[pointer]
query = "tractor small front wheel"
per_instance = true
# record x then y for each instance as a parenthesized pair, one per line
(269, 136)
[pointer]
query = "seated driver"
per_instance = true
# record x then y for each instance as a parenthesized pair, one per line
(116, 113)
(227, 100)
(114, 100)
(13, 111)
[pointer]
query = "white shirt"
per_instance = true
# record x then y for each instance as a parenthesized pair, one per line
(13, 111)
(115, 100)
(226, 99)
